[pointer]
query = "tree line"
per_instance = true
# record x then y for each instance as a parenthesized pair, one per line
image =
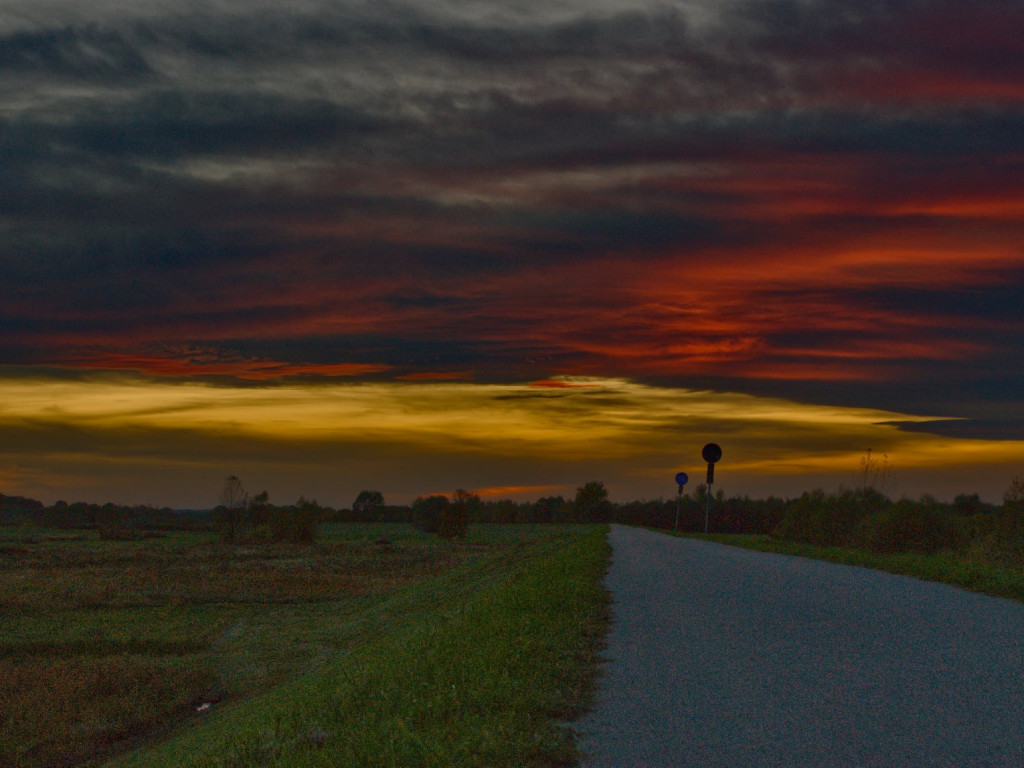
(80, 515)
(863, 517)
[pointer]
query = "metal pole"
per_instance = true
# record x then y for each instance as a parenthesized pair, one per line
(707, 508)
(711, 453)
(679, 497)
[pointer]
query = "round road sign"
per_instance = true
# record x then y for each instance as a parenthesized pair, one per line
(681, 478)
(711, 453)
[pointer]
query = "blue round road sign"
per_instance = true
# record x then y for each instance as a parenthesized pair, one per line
(681, 478)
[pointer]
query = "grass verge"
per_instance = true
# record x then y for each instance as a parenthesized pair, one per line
(479, 666)
(954, 568)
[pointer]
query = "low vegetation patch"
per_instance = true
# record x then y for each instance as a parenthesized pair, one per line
(967, 543)
(976, 572)
(379, 645)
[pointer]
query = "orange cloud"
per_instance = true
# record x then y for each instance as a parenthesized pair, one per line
(516, 491)
(408, 438)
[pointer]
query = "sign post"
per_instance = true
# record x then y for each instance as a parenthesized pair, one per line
(681, 479)
(711, 453)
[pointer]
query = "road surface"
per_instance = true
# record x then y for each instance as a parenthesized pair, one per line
(720, 656)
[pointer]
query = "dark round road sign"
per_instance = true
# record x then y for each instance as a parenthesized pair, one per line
(681, 478)
(712, 452)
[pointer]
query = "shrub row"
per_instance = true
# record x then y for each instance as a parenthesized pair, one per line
(865, 519)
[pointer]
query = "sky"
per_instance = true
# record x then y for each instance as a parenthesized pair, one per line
(509, 246)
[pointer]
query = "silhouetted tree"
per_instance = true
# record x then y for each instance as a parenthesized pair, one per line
(296, 524)
(453, 521)
(591, 502)
(231, 512)
(1013, 499)
(657, 514)
(551, 509)
(258, 509)
(16, 509)
(828, 520)
(426, 512)
(502, 511)
(906, 526)
(233, 493)
(967, 504)
(367, 502)
(875, 474)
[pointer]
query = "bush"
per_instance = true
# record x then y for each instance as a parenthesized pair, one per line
(121, 534)
(1013, 499)
(367, 503)
(907, 526)
(828, 520)
(231, 522)
(116, 524)
(1000, 538)
(454, 521)
(591, 504)
(426, 512)
(296, 524)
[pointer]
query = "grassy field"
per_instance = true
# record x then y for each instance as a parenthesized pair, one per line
(976, 573)
(379, 645)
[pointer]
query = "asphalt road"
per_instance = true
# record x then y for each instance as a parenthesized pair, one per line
(720, 656)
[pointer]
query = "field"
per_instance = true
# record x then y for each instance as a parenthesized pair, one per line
(378, 645)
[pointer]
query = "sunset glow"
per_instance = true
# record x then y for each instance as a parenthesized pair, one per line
(635, 432)
(422, 246)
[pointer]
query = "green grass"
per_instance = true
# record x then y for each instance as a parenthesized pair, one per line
(474, 668)
(104, 643)
(412, 651)
(958, 568)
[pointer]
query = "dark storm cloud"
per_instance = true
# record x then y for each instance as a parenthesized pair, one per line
(633, 34)
(109, 141)
(997, 306)
(492, 119)
(171, 125)
(988, 299)
(89, 53)
(972, 429)
(820, 201)
(405, 353)
(935, 45)
(233, 172)
(964, 134)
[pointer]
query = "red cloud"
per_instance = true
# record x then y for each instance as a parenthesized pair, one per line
(256, 370)
(557, 384)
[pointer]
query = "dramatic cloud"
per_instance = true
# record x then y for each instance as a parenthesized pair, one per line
(818, 201)
(409, 439)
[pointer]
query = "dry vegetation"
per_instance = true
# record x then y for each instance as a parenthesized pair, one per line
(63, 573)
(105, 642)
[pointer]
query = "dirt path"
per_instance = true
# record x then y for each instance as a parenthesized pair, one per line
(726, 657)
